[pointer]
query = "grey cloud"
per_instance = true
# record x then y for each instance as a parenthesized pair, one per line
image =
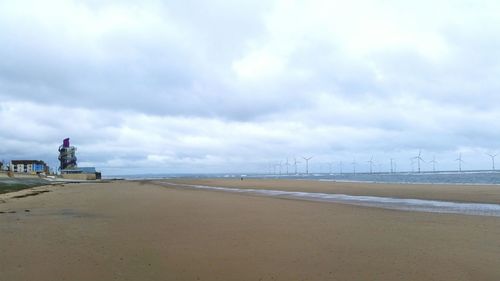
(192, 85)
(171, 69)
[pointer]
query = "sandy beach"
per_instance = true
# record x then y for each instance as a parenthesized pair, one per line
(127, 230)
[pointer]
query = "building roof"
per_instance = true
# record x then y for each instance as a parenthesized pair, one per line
(87, 170)
(26, 162)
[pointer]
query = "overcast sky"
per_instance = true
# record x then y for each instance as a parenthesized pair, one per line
(234, 86)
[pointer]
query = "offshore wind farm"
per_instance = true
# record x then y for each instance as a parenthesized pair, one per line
(474, 177)
(328, 171)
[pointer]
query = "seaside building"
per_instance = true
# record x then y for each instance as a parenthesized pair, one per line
(29, 166)
(68, 167)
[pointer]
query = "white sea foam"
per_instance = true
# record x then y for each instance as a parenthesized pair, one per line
(435, 206)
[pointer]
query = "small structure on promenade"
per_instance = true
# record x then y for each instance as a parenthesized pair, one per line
(68, 167)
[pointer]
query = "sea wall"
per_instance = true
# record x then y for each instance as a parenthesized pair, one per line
(26, 176)
(79, 176)
(4, 174)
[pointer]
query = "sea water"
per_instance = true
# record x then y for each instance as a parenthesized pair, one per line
(469, 177)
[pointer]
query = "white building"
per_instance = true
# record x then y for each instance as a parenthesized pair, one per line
(28, 166)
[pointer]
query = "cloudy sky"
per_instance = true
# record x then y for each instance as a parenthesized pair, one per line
(234, 86)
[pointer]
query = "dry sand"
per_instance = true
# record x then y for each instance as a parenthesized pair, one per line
(141, 231)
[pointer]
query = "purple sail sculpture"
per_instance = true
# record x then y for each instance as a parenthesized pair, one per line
(66, 142)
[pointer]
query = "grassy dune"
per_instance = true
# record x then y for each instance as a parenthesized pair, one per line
(12, 184)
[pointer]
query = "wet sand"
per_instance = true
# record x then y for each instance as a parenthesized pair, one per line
(445, 192)
(142, 231)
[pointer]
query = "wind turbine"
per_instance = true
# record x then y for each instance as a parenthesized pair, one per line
(295, 162)
(330, 167)
(433, 163)
(412, 165)
(492, 160)
(460, 161)
(287, 164)
(354, 166)
(340, 167)
(371, 164)
(418, 158)
(392, 167)
(307, 163)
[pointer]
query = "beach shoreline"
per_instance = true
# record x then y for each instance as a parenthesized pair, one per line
(465, 193)
(402, 204)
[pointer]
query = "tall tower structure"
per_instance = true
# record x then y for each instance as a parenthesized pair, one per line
(67, 156)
